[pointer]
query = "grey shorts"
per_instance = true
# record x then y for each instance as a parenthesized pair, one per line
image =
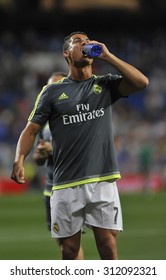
(95, 204)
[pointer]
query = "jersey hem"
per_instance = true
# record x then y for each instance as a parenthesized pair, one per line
(87, 181)
(47, 193)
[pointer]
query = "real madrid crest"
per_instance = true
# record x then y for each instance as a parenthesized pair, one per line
(55, 227)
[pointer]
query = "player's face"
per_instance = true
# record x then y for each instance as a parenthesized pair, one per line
(75, 55)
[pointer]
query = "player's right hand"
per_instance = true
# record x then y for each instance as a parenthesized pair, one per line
(18, 174)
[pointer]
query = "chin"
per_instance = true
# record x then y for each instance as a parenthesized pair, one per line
(83, 63)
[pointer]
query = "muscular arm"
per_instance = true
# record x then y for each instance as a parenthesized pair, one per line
(24, 147)
(133, 80)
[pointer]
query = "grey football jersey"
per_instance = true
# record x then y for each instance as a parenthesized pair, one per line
(80, 116)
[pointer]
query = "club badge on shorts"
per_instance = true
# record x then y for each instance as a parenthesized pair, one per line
(55, 227)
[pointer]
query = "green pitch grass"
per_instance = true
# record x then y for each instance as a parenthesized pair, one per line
(24, 235)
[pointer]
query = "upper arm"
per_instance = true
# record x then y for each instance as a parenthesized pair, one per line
(32, 128)
(126, 88)
(42, 107)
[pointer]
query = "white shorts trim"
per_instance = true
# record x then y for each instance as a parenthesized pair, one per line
(95, 204)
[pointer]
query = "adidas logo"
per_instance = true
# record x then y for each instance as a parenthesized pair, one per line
(63, 96)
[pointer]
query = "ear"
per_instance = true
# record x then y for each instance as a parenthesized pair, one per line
(66, 53)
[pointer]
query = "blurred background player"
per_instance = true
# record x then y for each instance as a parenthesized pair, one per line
(43, 156)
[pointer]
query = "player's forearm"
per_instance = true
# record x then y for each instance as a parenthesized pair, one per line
(129, 72)
(24, 146)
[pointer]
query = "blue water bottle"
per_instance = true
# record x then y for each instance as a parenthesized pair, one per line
(92, 50)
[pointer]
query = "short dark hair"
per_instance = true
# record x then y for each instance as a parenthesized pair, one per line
(58, 73)
(55, 74)
(67, 39)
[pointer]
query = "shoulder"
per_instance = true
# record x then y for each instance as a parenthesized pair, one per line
(110, 77)
(56, 85)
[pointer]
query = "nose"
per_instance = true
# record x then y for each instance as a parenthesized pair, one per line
(84, 42)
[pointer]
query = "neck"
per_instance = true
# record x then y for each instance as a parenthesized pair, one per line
(80, 74)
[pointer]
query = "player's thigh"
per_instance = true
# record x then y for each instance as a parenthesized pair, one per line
(102, 234)
(67, 214)
(104, 209)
